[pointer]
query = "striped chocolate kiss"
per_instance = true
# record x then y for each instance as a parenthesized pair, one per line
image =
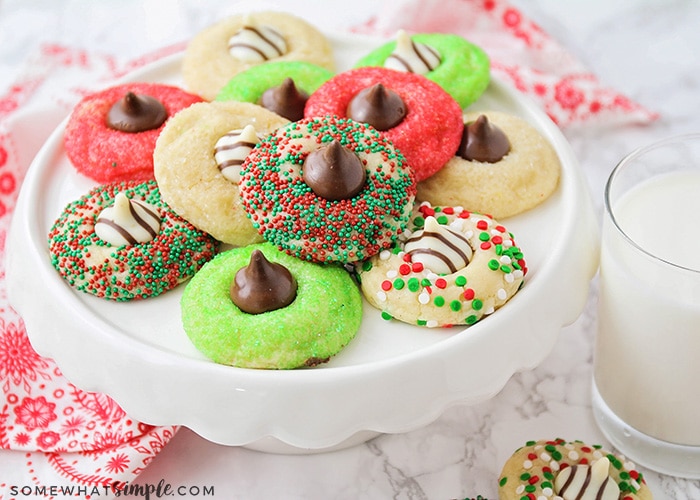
(411, 56)
(439, 248)
(231, 150)
(255, 44)
(127, 222)
(587, 482)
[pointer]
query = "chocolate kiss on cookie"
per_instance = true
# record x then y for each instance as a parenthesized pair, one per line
(377, 106)
(263, 286)
(287, 100)
(334, 172)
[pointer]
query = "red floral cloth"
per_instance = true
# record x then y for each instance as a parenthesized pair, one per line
(85, 438)
(521, 54)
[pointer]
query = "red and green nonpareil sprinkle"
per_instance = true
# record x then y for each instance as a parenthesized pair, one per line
(290, 215)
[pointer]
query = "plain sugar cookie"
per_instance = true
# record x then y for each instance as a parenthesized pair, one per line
(194, 181)
(522, 179)
(221, 51)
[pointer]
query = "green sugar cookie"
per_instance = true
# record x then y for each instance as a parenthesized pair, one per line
(251, 84)
(463, 70)
(323, 318)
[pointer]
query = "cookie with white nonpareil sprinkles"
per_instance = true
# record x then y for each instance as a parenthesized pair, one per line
(122, 242)
(327, 189)
(450, 267)
(561, 470)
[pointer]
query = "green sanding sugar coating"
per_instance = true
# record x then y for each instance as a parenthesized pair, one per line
(323, 318)
(249, 85)
(464, 70)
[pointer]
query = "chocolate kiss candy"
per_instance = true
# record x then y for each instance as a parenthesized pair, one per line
(262, 286)
(483, 141)
(286, 100)
(136, 113)
(377, 106)
(334, 172)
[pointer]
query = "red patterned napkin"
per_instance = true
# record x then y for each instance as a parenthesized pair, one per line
(74, 437)
(521, 54)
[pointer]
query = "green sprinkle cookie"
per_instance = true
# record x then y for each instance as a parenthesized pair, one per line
(462, 69)
(251, 84)
(323, 318)
(160, 256)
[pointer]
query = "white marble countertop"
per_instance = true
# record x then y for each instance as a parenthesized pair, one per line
(646, 49)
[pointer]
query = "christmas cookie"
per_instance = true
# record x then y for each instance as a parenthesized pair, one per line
(122, 242)
(327, 190)
(257, 307)
(197, 162)
(457, 65)
(221, 51)
(570, 470)
(451, 267)
(422, 120)
(282, 86)
(503, 167)
(110, 134)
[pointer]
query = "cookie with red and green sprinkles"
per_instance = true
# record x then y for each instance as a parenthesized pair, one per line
(327, 189)
(417, 115)
(111, 134)
(122, 242)
(451, 267)
(560, 469)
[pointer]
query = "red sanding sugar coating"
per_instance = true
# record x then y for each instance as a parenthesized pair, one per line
(287, 212)
(429, 134)
(108, 155)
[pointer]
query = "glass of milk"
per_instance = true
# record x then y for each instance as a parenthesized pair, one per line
(646, 382)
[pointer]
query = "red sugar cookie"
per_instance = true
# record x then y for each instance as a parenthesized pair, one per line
(109, 155)
(429, 133)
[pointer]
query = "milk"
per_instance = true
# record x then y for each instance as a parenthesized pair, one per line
(647, 366)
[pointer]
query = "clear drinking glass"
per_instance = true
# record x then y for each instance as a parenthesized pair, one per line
(646, 382)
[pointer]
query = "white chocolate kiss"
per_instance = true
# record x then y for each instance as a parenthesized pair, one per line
(128, 222)
(411, 56)
(439, 248)
(587, 482)
(255, 44)
(232, 149)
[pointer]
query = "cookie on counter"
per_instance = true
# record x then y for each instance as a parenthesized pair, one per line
(221, 51)
(257, 307)
(503, 167)
(110, 135)
(197, 164)
(451, 267)
(569, 470)
(122, 242)
(457, 65)
(422, 120)
(327, 189)
(281, 86)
